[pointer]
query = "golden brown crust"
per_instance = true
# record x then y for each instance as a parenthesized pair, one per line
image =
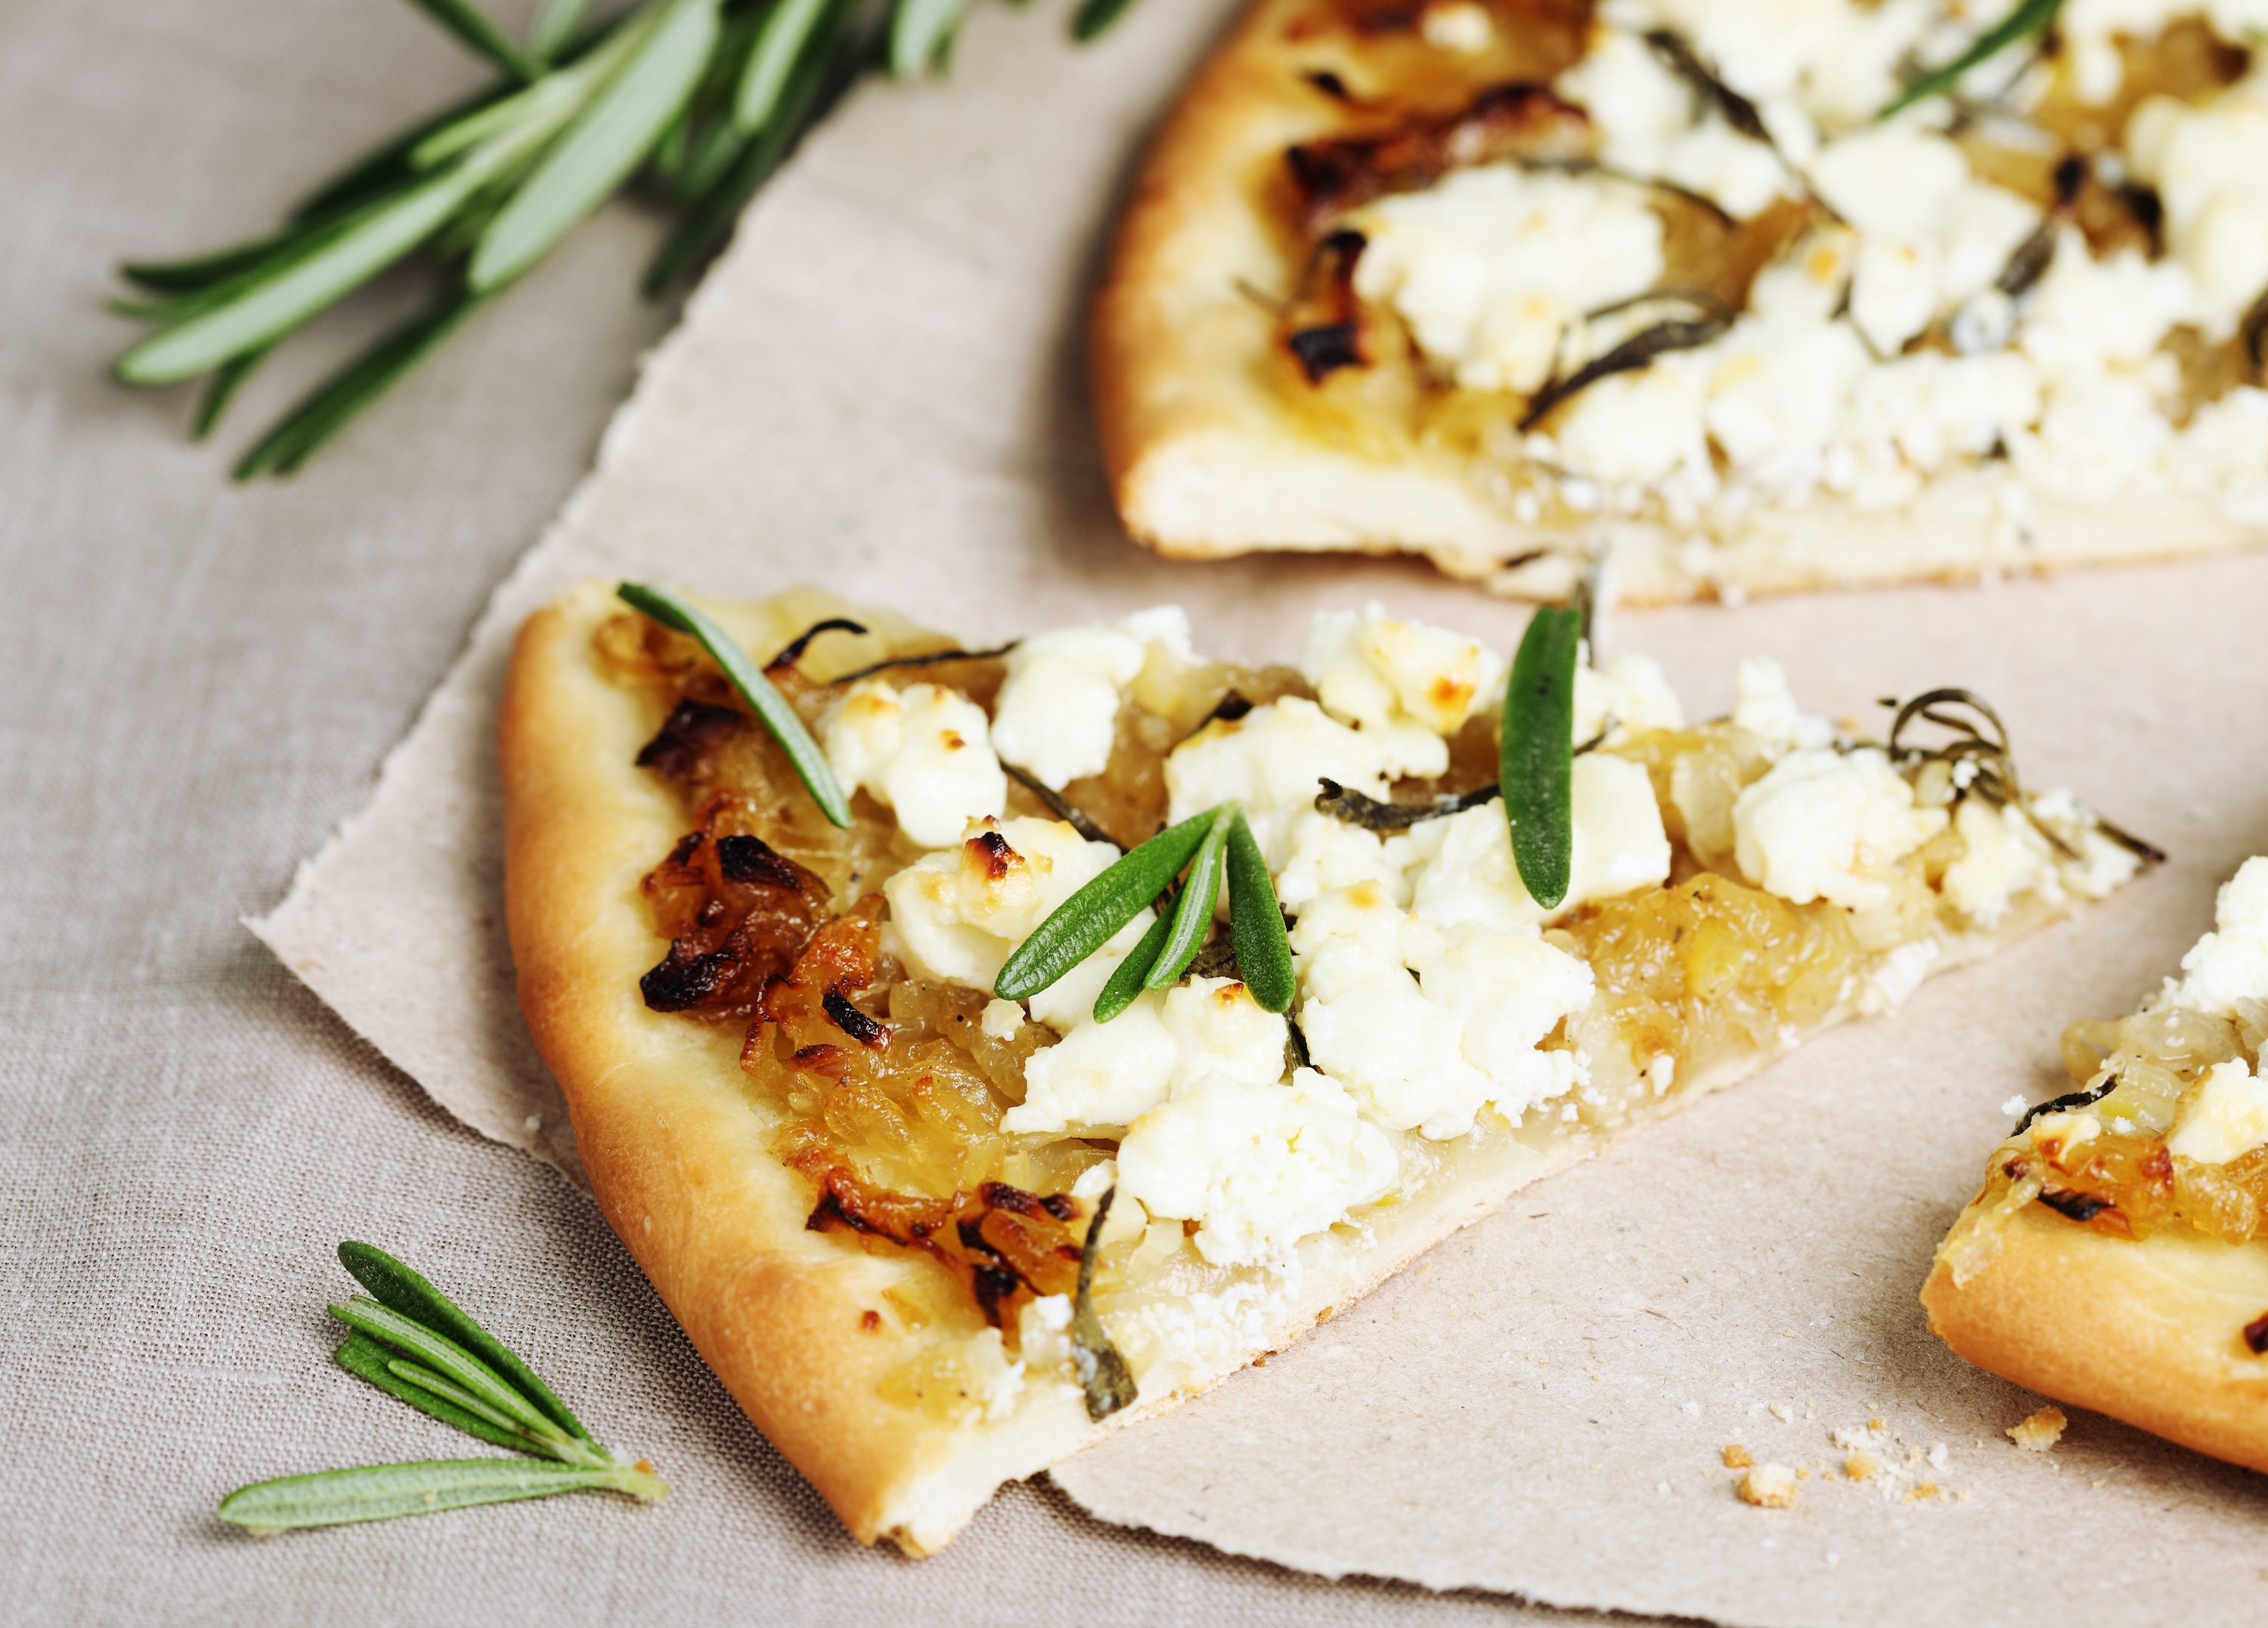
(1206, 459)
(2150, 1332)
(674, 1153)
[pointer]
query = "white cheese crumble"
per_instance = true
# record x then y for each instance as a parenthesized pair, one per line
(1491, 264)
(2228, 1116)
(1259, 1167)
(1897, 975)
(2003, 855)
(1163, 1046)
(1766, 707)
(2210, 166)
(1459, 25)
(1644, 116)
(956, 915)
(1627, 696)
(1823, 824)
(925, 752)
(1001, 1020)
(1373, 672)
(2230, 964)
(1057, 711)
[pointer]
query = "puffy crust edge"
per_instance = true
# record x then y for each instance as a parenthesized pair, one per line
(1205, 462)
(2150, 1332)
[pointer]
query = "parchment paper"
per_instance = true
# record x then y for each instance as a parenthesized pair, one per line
(880, 389)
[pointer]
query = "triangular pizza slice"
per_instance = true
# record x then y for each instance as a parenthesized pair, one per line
(933, 1238)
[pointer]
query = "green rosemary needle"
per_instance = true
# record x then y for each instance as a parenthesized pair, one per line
(1535, 751)
(704, 97)
(2029, 19)
(1082, 924)
(417, 1345)
(811, 766)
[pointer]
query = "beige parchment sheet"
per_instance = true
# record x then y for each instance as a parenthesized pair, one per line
(880, 389)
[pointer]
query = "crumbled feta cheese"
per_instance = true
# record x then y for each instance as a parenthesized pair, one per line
(2222, 453)
(1221, 1034)
(956, 915)
(1096, 1181)
(1645, 116)
(2228, 1116)
(1768, 1486)
(1001, 1020)
(2230, 964)
(924, 752)
(1629, 695)
(1057, 714)
(1766, 707)
(1322, 852)
(2003, 855)
(2210, 166)
(1645, 426)
(1459, 25)
(1778, 395)
(2088, 315)
(1491, 264)
(2014, 1105)
(1929, 408)
(1931, 234)
(1376, 673)
(995, 1382)
(1430, 1052)
(1043, 1332)
(1828, 825)
(2090, 31)
(1271, 759)
(1897, 975)
(1259, 1167)
(1099, 1075)
(1462, 869)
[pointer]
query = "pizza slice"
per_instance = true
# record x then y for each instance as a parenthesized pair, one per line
(933, 1236)
(1696, 283)
(2113, 1257)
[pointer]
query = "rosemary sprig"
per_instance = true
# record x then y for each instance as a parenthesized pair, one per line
(704, 97)
(413, 1343)
(810, 764)
(1210, 847)
(1536, 752)
(1103, 1371)
(2031, 18)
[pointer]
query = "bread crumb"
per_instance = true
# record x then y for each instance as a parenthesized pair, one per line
(1922, 1490)
(1781, 1412)
(1768, 1486)
(2041, 1431)
(1736, 1456)
(1937, 1455)
(1876, 1424)
(1862, 1466)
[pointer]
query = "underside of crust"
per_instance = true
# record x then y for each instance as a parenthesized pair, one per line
(2150, 1331)
(1207, 459)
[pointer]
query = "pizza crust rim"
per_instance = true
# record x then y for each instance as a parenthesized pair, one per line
(1204, 463)
(2145, 1332)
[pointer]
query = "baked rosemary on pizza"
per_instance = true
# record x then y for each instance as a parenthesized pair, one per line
(1748, 295)
(978, 1049)
(2114, 1257)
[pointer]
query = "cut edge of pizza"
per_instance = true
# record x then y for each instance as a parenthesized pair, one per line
(868, 1189)
(1255, 390)
(2111, 1259)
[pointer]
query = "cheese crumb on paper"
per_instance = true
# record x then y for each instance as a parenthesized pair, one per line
(1768, 1486)
(2041, 1430)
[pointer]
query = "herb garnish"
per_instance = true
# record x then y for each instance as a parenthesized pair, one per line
(1536, 752)
(704, 97)
(1636, 352)
(1102, 1372)
(1215, 844)
(413, 1343)
(810, 764)
(1063, 809)
(2033, 16)
(1373, 815)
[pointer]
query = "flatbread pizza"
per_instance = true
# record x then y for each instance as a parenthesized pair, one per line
(939, 1199)
(1747, 295)
(2113, 1257)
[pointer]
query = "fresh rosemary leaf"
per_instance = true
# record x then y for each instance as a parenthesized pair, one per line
(1193, 910)
(476, 29)
(1124, 983)
(1062, 807)
(779, 43)
(603, 146)
(2033, 16)
(1255, 921)
(366, 1359)
(1103, 1371)
(387, 167)
(192, 277)
(382, 1491)
(921, 34)
(1095, 16)
(1082, 924)
(1536, 752)
(457, 1365)
(334, 403)
(223, 387)
(811, 765)
(333, 262)
(401, 1289)
(1368, 813)
(554, 26)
